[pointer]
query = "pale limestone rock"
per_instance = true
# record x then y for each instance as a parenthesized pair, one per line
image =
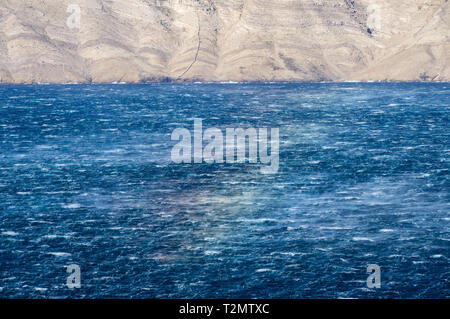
(224, 40)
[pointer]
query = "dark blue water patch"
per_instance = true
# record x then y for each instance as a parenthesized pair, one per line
(86, 178)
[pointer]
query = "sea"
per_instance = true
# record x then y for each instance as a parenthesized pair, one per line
(87, 179)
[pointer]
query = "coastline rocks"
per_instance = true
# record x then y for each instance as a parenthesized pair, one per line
(223, 40)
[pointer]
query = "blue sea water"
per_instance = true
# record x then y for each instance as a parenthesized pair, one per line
(86, 178)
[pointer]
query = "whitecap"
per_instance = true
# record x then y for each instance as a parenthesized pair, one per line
(10, 233)
(263, 270)
(212, 252)
(361, 239)
(72, 206)
(60, 254)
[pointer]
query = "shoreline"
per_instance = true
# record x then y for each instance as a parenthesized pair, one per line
(220, 82)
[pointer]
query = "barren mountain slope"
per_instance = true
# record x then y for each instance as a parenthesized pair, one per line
(223, 40)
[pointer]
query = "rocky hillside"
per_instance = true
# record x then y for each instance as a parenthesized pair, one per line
(223, 40)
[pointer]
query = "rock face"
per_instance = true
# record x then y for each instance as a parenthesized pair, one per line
(56, 41)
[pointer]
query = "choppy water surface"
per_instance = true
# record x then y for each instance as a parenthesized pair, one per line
(86, 178)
